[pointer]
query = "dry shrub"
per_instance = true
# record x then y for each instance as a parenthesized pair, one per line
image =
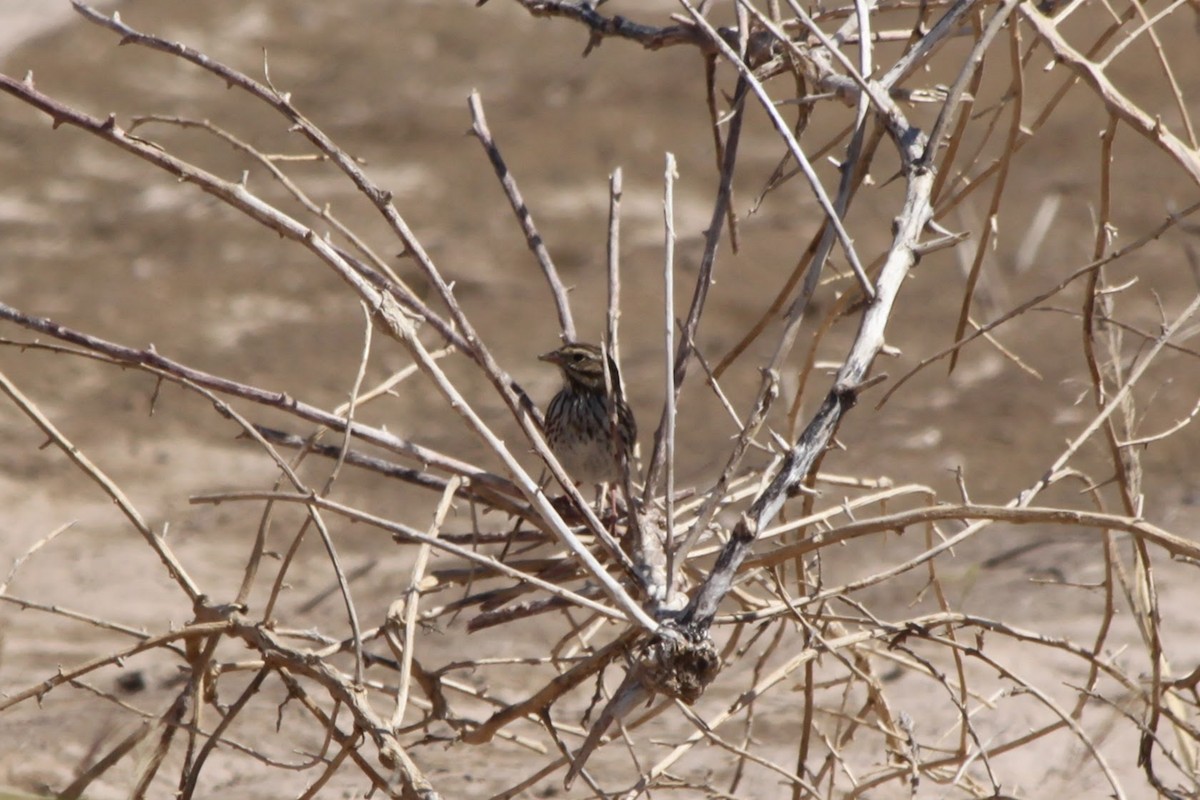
(719, 635)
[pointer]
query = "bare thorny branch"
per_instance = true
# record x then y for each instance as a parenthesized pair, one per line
(767, 573)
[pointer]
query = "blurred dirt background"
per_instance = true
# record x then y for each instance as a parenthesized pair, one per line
(103, 243)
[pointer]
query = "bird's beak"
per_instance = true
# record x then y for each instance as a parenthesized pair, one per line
(553, 357)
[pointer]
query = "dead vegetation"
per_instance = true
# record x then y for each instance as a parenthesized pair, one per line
(645, 613)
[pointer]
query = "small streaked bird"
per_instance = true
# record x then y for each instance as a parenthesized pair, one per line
(579, 421)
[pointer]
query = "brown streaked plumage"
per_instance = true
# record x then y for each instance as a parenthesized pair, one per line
(579, 420)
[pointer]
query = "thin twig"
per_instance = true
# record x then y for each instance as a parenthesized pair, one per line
(537, 245)
(165, 554)
(669, 177)
(409, 605)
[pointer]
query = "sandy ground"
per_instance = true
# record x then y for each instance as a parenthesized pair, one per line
(21, 20)
(105, 244)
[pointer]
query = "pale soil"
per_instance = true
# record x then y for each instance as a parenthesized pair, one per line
(104, 244)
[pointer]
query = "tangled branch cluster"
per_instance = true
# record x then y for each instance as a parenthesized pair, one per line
(675, 591)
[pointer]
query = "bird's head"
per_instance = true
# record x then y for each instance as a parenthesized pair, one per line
(581, 364)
